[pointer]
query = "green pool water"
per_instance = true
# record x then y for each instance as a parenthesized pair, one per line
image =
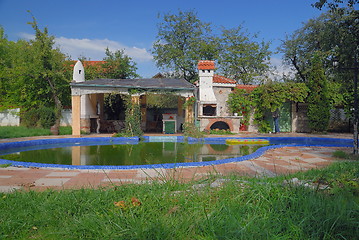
(143, 153)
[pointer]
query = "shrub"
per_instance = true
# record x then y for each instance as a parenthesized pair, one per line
(190, 130)
(43, 117)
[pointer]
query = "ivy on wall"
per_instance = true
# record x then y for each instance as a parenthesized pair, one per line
(267, 97)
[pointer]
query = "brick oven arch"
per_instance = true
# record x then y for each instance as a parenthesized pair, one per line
(226, 123)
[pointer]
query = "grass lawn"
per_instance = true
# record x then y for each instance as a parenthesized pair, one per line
(16, 132)
(242, 208)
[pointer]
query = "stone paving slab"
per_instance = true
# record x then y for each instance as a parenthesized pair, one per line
(274, 162)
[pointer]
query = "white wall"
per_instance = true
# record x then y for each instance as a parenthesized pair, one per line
(66, 119)
(10, 117)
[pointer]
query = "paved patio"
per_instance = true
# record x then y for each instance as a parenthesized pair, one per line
(273, 162)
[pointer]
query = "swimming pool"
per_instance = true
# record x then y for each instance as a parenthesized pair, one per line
(275, 142)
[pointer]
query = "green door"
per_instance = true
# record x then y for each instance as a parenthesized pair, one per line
(285, 118)
(170, 127)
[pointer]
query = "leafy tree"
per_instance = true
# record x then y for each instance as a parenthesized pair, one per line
(318, 99)
(241, 58)
(49, 62)
(182, 40)
(333, 34)
(118, 65)
(5, 63)
(33, 73)
(334, 4)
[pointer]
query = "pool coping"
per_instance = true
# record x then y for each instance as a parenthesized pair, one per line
(325, 142)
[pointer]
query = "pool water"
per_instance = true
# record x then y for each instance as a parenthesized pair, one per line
(139, 153)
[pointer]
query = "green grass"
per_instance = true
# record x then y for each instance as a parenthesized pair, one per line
(16, 132)
(243, 208)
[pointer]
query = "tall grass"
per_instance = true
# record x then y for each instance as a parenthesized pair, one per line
(16, 132)
(251, 209)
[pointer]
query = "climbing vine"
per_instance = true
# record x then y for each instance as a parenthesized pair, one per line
(132, 119)
(265, 98)
(189, 101)
(240, 102)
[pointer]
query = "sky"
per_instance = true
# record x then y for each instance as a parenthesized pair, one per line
(86, 28)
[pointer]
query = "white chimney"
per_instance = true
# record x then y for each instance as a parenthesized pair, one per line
(206, 73)
(79, 72)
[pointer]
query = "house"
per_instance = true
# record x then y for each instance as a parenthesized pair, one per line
(209, 112)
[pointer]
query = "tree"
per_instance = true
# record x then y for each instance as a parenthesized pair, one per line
(334, 4)
(182, 40)
(33, 73)
(50, 64)
(118, 65)
(5, 63)
(318, 100)
(333, 34)
(241, 58)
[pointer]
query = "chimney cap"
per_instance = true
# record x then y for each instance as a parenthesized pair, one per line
(206, 65)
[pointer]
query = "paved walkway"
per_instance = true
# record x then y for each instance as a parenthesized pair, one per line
(273, 162)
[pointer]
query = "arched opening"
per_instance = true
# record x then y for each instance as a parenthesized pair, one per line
(220, 125)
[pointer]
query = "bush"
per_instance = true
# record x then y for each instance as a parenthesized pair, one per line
(190, 130)
(43, 117)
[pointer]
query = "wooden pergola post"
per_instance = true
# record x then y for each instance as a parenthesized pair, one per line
(76, 115)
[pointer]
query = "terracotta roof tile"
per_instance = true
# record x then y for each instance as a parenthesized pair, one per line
(88, 63)
(206, 65)
(93, 63)
(221, 79)
(247, 87)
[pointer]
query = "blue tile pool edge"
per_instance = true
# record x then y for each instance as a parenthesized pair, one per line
(258, 153)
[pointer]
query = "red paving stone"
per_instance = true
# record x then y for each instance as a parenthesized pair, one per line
(274, 162)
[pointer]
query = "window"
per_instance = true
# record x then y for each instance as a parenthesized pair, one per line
(209, 110)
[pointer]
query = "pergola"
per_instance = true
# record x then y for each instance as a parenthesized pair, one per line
(88, 96)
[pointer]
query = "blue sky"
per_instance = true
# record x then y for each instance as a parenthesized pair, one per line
(86, 28)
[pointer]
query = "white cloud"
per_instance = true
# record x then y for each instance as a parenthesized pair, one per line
(95, 48)
(27, 36)
(280, 69)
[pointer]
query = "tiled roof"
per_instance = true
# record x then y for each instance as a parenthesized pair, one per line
(149, 83)
(221, 79)
(246, 87)
(88, 63)
(205, 65)
(93, 63)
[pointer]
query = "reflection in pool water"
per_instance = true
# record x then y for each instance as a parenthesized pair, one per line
(150, 152)
(141, 153)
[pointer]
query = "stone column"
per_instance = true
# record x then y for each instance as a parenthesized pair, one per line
(76, 115)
